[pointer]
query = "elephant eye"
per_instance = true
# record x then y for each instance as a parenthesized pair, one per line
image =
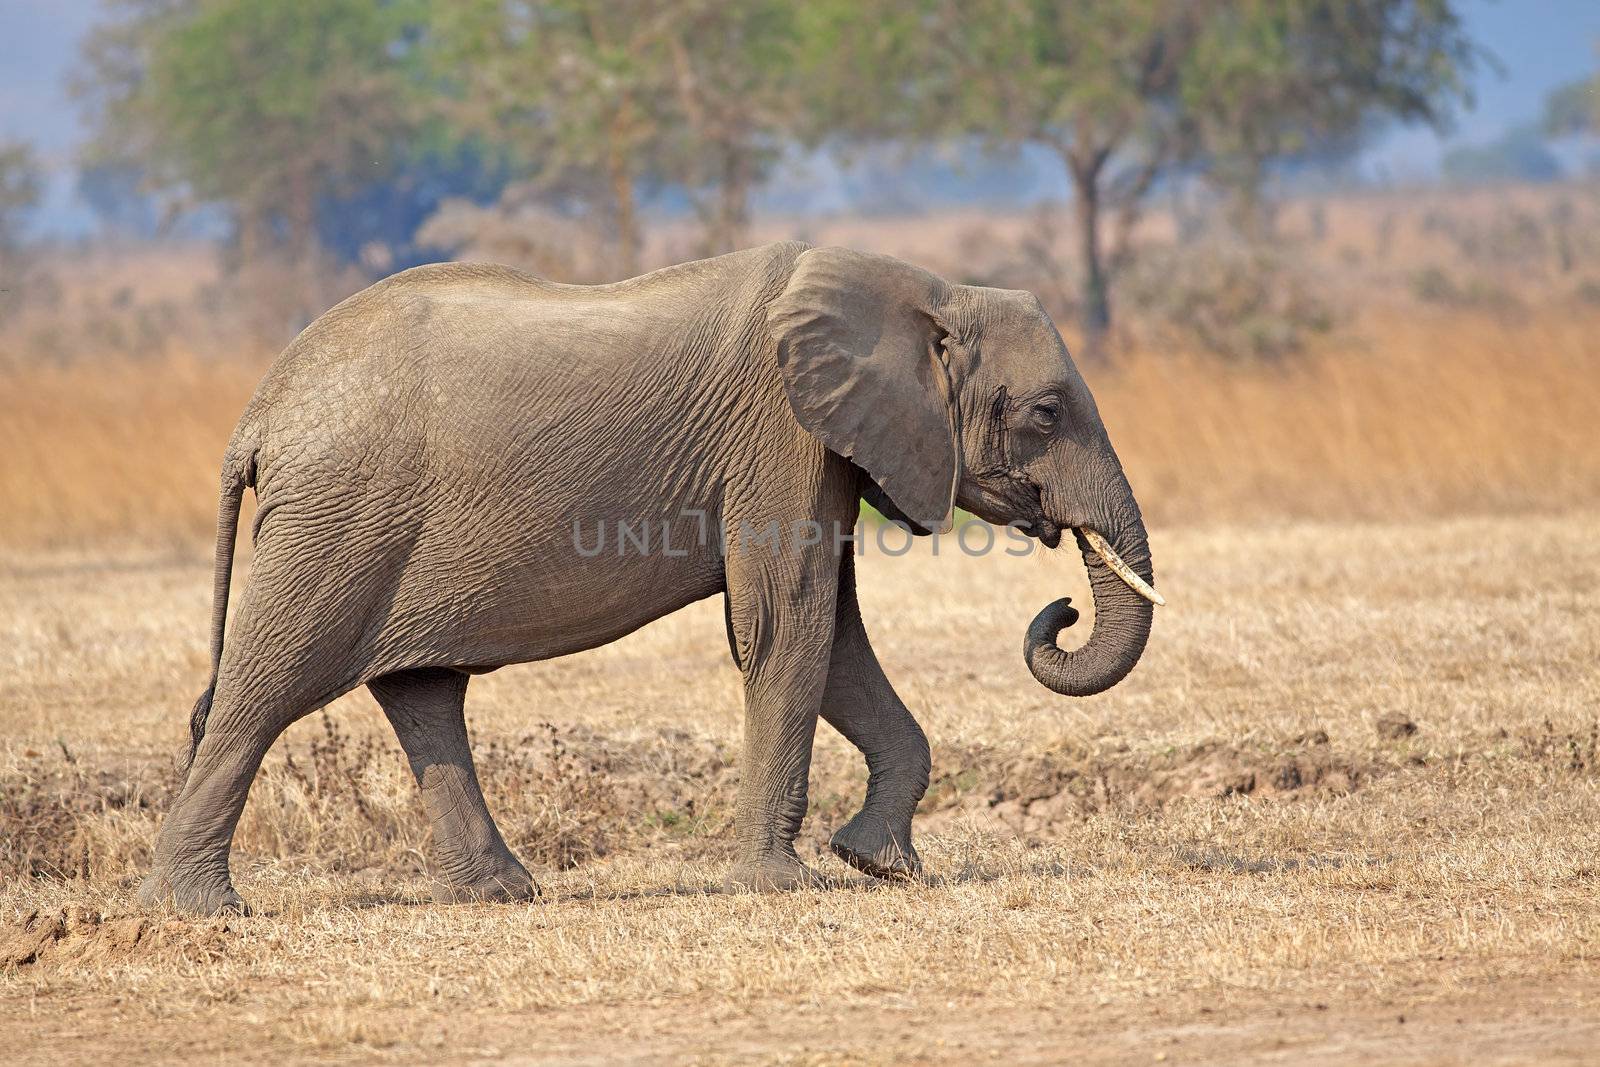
(1046, 416)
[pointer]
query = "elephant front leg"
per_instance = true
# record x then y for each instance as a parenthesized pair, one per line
(781, 610)
(861, 704)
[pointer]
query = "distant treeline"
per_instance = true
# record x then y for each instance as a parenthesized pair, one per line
(337, 127)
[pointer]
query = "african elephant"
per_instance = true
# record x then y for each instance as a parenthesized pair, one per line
(430, 456)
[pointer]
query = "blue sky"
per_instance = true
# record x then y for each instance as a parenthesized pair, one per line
(1540, 43)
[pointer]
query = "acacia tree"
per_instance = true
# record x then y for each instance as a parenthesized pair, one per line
(261, 105)
(572, 90)
(610, 97)
(1272, 79)
(1573, 108)
(1124, 91)
(109, 86)
(21, 188)
(737, 101)
(1097, 83)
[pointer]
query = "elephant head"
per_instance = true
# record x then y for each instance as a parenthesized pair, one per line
(958, 395)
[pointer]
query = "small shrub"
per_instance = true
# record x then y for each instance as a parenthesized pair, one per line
(1588, 292)
(1237, 300)
(62, 820)
(1433, 285)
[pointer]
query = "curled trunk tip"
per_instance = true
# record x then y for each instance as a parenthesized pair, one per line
(1121, 625)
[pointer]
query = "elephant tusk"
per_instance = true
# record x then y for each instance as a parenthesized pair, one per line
(1104, 550)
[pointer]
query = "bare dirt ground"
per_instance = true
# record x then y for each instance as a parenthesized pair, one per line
(1347, 809)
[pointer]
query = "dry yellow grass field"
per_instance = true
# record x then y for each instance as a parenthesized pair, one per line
(1348, 807)
(1240, 851)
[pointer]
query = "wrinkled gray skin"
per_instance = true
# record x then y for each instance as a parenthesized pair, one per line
(422, 453)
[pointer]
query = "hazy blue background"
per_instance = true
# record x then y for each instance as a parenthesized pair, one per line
(1540, 44)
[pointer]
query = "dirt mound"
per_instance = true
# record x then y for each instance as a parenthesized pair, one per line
(79, 934)
(565, 796)
(1034, 794)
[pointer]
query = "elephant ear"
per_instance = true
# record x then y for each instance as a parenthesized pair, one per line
(860, 348)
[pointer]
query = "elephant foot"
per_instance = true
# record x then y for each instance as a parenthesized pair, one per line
(771, 874)
(191, 896)
(867, 844)
(508, 883)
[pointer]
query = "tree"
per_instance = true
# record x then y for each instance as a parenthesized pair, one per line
(1271, 80)
(114, 192)
(108, 85)
(1124, 91)
(613, 97)
(738, 100)
(571, 89)
(1097, 83)
(1573, 108)
(376, 224)
(21, 188)
(1519, 154)
(263, 105)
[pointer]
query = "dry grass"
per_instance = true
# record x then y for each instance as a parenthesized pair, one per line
(1227, 835)
(1462, 376)
(1430, 414)
(117, 451)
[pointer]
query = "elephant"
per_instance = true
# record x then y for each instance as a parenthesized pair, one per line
(430, 456)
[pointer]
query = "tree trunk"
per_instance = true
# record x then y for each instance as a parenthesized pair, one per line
(301, 217)
(1094, 294)
(251, 240)
(1249, 212)
(625, 214)
(733, 213)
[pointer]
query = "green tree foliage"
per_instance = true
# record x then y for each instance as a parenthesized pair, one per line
(1277, 78)
(570, 89)
(1097, 83)
(21, 188)
(1573, 108)
(608, 97)
(735, 85)
(1123, 91)
(266, 105)
(262, 105)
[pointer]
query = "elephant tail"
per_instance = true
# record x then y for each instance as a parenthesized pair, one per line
(238, 471)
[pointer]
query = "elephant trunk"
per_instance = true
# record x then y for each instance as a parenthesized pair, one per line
(1122, 616)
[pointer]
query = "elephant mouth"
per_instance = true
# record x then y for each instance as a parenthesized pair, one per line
(1039, 524)
(1049, 534)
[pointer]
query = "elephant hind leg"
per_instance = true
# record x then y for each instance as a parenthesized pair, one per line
(425, 707)
(296, 643)
(190, 869)
(191, 863)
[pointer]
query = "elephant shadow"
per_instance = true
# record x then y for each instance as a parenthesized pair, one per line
(829, 883)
